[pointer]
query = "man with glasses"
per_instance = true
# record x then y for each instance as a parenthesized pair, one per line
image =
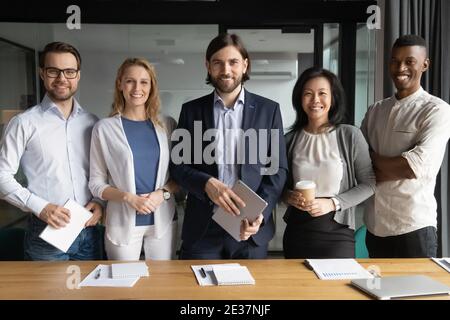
(51, 143)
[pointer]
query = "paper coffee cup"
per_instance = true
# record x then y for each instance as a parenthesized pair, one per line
(307, 188)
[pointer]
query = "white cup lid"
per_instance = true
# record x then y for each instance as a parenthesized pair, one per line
(305, 184)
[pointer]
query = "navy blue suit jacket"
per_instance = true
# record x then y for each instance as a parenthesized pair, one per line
(258, 113)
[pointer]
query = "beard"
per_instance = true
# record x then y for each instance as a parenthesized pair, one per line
(57, 96)
(226, 87)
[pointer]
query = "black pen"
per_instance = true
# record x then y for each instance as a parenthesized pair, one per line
(445, 263)
(203, 272)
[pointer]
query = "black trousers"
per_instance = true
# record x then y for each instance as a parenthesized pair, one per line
(317, 238)
(421, 243)
(218, 244)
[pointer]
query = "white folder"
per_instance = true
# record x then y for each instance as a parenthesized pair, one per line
(63, 238)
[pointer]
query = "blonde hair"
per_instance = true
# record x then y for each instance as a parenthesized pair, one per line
(153, 102)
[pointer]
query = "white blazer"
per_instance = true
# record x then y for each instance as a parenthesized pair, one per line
(111, 165)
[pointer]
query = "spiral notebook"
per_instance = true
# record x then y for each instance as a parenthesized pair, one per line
(232, 275)
(129, 270)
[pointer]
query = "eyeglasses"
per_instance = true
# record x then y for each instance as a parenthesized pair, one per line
(55, 72)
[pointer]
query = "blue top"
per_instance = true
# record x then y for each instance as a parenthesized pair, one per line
(141, 136)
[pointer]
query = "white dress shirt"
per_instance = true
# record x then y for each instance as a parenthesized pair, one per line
(416, 128)
(53, 153)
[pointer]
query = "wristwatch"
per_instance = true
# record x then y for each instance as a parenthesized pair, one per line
(336, 204)
(166, 194)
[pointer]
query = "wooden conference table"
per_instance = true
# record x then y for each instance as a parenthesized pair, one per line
(174, 280)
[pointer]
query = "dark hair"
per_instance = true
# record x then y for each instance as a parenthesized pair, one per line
(224, 40)
(410, 40)
(59, 47)
(336, 114)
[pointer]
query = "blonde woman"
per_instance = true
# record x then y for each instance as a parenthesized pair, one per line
(130, 154)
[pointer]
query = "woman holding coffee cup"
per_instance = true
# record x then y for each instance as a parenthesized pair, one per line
(330, 171)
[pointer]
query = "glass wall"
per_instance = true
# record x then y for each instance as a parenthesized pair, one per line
(364, 83)
(176, 51)
(365, 71)
(17, 79)
(331, 47)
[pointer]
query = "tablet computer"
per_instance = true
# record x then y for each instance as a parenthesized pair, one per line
(254, 205)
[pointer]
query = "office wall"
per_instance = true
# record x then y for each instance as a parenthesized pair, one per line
(178, 83)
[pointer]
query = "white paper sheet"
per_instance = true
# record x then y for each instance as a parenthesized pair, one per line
(129, 270)
(105, 278)
(64, 237)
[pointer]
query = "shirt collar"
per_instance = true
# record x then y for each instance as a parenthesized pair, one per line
(409, 98)
(48, 104)
(239, 101)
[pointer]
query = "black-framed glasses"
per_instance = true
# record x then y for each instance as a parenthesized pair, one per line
(55, 72)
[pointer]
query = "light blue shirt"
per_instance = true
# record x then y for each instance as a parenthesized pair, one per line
(228, 122)
(53, 153)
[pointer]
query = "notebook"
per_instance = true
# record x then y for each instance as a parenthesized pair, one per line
(129, 270)
(254, 205)
(63, 238)
(232, 275)
(443, 262)
(101, 276)
(401, 286)
(222, 274)
(338, 269)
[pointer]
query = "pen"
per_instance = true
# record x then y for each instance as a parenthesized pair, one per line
(445, 263)
(203, 272)
(97, 274)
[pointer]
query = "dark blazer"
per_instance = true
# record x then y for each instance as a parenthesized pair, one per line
(258, 113)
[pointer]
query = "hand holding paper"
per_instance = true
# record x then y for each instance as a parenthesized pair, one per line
(55, 216)
(64, 237)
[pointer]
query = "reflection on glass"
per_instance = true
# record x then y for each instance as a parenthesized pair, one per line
(365, 75)
(17, 78)
(331, 47)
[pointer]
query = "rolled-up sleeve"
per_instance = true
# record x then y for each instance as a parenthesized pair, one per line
(426, 156)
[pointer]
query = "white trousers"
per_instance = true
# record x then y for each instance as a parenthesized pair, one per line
(154, 249)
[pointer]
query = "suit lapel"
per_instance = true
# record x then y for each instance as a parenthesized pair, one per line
(208, 123)
(249, 111)
(247, 123)
(208, 113)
